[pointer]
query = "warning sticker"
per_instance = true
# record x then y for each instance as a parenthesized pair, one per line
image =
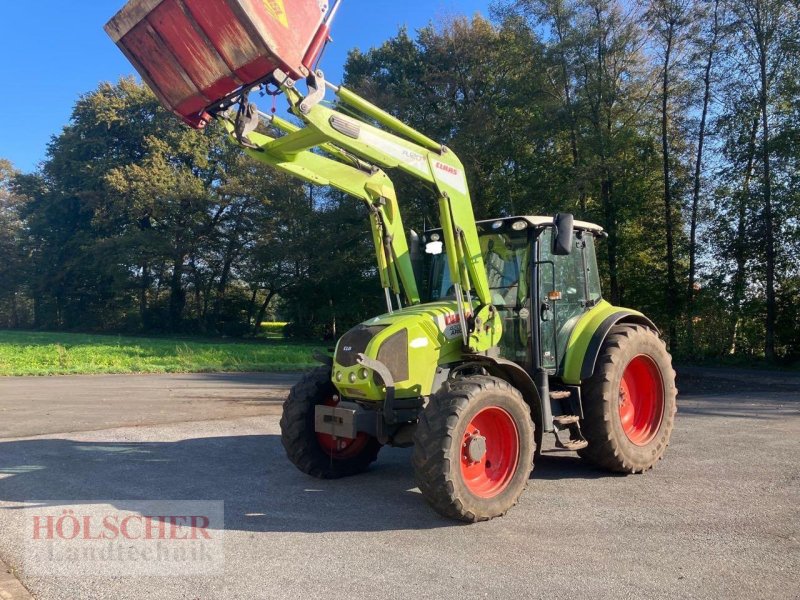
(449, 325)
(278, 10)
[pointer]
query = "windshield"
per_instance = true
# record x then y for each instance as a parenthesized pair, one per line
(506, 256)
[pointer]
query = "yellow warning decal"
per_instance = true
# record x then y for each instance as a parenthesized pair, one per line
(278, 10)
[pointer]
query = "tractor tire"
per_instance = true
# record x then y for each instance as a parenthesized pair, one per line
(473, 449)
(317, 454)
(630, 402)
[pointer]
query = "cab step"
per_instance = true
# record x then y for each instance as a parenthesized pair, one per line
(573, 424)
(572, 445)
(562, 421)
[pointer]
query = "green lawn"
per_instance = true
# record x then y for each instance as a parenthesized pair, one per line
(28, 353)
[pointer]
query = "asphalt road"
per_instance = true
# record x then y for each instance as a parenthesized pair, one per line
(718, 518)
(43, 405)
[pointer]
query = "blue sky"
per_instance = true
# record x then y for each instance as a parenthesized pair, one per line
(52, 51)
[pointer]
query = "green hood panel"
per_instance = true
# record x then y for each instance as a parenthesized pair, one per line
(432, 310)
(431, 335)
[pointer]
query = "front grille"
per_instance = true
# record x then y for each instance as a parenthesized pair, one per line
(355, 342)
(394, 354)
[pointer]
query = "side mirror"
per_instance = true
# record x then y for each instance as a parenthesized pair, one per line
(563, 234)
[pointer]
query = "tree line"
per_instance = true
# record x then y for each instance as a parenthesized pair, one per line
(675, 124)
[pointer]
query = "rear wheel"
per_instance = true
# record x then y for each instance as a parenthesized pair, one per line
(473, 449)
(318, 454)
(630, 401)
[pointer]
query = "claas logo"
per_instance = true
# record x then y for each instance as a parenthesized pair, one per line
(447, 168)
(278, 10)
(451, 319)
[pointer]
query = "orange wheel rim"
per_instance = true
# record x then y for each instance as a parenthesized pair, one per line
(641, 400)
(489, 452)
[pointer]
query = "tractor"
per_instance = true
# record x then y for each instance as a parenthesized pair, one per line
(495, 332)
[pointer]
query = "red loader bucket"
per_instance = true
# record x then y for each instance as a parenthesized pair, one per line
(196, 53)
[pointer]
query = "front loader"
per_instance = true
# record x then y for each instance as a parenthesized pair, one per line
(495, 333)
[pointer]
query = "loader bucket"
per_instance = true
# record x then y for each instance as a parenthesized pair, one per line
(195, 54)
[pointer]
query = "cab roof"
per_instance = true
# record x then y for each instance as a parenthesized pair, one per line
(546, 222)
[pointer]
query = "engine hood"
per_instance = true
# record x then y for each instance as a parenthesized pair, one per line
(411, 343)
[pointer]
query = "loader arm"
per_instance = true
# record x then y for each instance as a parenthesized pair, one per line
(360, 181)
(349, 154)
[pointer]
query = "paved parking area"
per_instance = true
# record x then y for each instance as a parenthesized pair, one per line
(718, 518)
(39, 405)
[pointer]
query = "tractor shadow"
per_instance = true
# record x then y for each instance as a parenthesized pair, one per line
(555, 464)
(261, 490)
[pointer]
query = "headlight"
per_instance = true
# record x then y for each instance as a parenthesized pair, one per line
(363, 373)
(339, 376)
(352, 377)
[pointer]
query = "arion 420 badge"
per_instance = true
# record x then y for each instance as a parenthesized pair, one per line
(449, 325)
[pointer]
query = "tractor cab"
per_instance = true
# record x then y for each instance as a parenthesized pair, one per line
(541, 290)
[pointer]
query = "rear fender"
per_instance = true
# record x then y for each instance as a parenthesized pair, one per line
(587, 339)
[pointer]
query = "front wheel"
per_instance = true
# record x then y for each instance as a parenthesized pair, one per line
(629, 402)
(473, 449)
(318, 454)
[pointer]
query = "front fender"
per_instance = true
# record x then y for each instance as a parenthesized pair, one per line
(516, 376)
(588, 336)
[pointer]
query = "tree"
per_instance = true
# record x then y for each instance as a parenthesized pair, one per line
(736, 205)
(476, 88)
(81, 274)
(12, 269)
(669, 20)
(707, 47)
(768, 34)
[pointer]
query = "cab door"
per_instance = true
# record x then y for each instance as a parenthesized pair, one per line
(563, 297)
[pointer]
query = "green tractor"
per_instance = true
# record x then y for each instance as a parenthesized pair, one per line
(567, 362)
(495, 333)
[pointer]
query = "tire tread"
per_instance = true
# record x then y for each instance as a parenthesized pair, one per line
(434, 439)
(605, 449)
(300, 440)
